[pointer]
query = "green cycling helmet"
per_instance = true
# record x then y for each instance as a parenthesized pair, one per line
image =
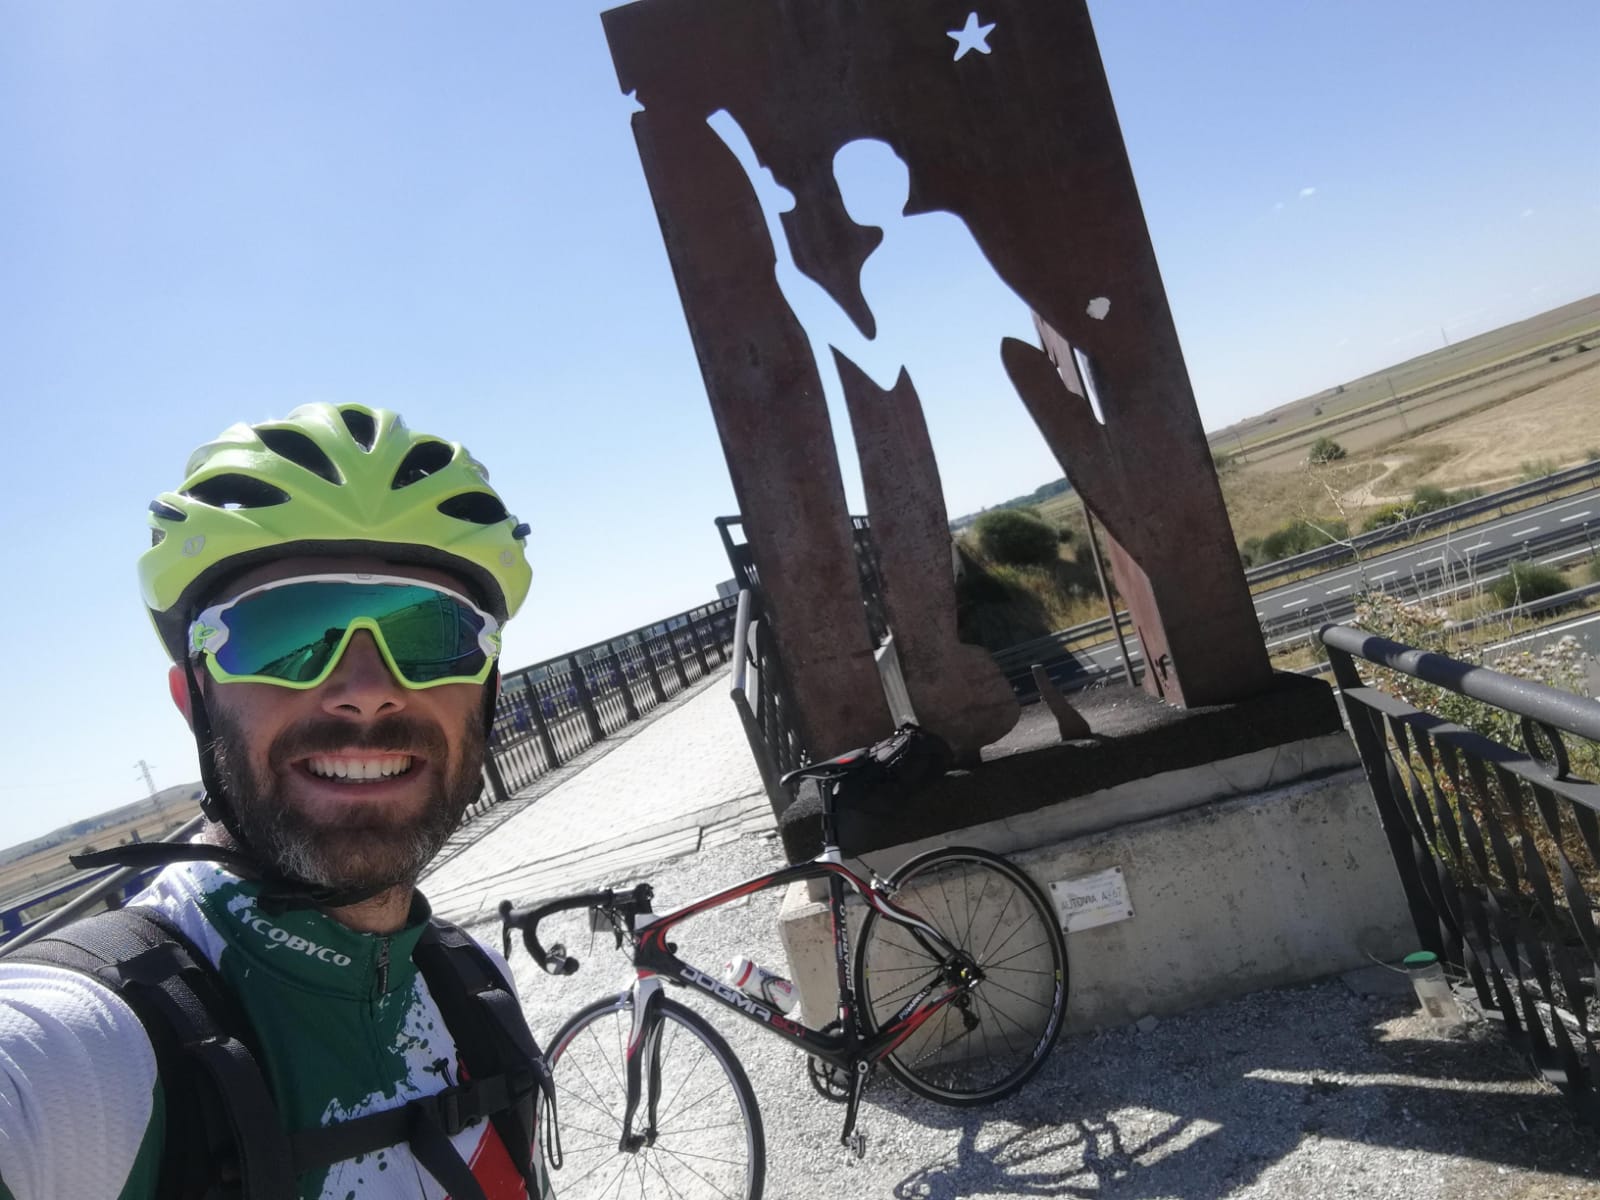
(332, 480)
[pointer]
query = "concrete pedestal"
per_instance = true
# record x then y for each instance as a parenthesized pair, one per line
(1254, 871)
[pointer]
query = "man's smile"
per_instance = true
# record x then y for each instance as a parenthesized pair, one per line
(356, 768)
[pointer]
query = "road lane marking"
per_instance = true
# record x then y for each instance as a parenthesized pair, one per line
(1385, 575)
(1525, 532)
(1337, 590)
(1575, 516)
(1428, 562)
(1547, 631)
(1296, 592)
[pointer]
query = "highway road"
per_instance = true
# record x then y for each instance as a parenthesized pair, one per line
(1551, 533)
(1474, 554)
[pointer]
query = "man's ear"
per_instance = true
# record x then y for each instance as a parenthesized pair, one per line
(178, 686)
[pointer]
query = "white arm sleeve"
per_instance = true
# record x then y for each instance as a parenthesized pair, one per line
(77, 1080)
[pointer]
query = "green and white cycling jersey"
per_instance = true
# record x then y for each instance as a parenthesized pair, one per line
(345, 1024)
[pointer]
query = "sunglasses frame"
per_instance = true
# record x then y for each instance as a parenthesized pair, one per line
(208, 633)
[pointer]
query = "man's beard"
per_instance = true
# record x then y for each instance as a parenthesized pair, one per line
(369, 850)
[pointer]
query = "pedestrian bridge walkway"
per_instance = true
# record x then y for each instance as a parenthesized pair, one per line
(677, 781)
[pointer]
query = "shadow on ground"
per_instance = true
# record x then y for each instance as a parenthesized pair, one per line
(1303, 1091)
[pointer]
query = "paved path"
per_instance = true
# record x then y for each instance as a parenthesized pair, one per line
(679, 780)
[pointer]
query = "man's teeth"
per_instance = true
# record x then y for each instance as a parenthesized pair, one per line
(379, 767)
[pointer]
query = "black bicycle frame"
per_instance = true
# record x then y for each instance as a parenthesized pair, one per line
(654, 955)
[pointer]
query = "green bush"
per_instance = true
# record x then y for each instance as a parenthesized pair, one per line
(1538, 468)
(1525, 581)
(1389, 514)
(1325, 450)
(1428, 497)
(1594, 569)
(1299, 536)
(1250, 552)
(1017, 537)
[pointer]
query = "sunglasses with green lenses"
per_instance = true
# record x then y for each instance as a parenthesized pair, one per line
(293, 632)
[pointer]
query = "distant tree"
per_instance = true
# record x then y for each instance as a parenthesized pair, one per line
(1325, 450)
(1017, 537)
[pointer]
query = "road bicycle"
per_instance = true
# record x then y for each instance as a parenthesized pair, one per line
(958, 986)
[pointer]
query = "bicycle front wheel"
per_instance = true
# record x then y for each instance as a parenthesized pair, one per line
(708, 1140)
(990, 1039)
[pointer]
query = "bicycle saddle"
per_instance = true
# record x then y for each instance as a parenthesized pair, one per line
(831, 769)
(910, 754)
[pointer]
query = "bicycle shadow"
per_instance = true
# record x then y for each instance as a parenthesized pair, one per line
(1207, 1104)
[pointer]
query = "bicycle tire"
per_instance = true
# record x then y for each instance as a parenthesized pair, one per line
(719, 1154)
(992, 910)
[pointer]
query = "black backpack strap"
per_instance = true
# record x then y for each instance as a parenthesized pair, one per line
(492, 1037)
(224, 1135)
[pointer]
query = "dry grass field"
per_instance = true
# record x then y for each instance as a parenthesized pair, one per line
(1478, 414)
(46, 866)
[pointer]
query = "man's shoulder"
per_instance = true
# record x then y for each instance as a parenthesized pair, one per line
(76, 1070)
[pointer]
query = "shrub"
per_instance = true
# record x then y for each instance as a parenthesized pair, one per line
(1592, 453)
(1389, 514)
(1594, 569)
(1428, 497)
(1325, 450)
(1222, 460)
(1250, 552)
(1299, 536)
(1538, 468)
(1017, 537)
(1525, 581)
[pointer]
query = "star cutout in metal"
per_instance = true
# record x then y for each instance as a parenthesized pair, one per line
(971, 36)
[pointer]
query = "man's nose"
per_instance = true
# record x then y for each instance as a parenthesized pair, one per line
(362, 684)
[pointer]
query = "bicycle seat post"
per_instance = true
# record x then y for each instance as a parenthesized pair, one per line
(830, 835)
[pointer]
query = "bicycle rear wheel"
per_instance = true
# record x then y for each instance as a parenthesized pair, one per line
(987, 1042)
(709, 1142)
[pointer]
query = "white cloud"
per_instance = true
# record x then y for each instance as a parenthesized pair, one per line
(1527, 212)
(1307, 192)
(1278, 207)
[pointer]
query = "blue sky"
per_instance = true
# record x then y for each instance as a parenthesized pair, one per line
(215, 212)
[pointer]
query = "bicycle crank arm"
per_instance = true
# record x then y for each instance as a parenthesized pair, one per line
(852, 1139)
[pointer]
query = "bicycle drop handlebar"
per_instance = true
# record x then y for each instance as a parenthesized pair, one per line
(618, 907)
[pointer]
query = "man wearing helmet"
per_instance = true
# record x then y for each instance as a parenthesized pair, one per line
(332, 589)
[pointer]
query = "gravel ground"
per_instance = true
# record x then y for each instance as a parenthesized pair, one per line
(1313, 1091)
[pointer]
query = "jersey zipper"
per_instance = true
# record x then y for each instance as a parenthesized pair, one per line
(383, 967)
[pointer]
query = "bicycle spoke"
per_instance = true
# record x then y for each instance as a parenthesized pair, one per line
(998, 920)
(1035, 1001)
(662, 1174)
(690, 1168)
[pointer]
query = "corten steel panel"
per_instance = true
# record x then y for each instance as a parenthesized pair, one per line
(956, 690)
(1022, 143)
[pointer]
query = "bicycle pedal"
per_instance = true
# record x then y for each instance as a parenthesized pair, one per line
(858, 1144)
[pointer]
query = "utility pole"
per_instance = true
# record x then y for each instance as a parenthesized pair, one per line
(1398, 407)
(148, 781)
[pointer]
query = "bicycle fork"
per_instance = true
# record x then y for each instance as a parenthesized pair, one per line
(644, 1065)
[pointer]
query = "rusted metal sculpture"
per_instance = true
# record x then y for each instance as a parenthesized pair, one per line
(1002, 116)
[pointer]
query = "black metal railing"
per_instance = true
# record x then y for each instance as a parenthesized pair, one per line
(1497, 846)
(761, 695)
(554, 710)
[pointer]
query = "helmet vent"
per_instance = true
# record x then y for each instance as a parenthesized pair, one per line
(166, 512)
(423, 460)
(236, 491)
(300, 450)
(481, 508)
(361, 426)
